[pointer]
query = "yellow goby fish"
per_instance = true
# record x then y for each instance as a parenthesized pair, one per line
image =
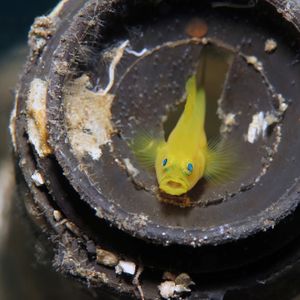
(186, 156)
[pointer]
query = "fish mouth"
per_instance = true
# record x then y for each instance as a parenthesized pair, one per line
(174, 184)
(173, 187)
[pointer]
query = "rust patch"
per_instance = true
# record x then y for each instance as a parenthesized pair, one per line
(36, 111)
(196, 28)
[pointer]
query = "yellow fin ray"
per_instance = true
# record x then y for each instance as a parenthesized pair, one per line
(222, 164)
(144, 145)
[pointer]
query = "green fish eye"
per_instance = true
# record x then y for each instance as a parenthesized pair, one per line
(190, 167)
(164, 162)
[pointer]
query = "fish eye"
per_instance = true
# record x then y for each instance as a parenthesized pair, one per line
(190, 167)
(164, 162)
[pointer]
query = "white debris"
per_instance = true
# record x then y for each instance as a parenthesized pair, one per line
(270, 45)
(127, 267)
(130, 168)
(261, 121)
(230, 120)
(282, 104)
(116, 54)
(36, 109)
(257, 127)
(38, 178)
(204, 41)
(170, 289)
(138, 54)
(271, 119)
(88, 117)
(252, 60)
(57, 215)
(167, 289)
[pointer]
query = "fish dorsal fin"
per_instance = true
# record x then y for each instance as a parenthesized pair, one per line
(195, 102)
(195, 90)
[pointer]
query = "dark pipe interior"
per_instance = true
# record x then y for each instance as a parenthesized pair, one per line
(245, 93)
(149, 81)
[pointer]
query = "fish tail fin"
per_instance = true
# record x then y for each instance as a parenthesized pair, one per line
(144, 146)
(223, 163)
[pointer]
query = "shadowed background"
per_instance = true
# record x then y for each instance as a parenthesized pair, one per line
(21, 277)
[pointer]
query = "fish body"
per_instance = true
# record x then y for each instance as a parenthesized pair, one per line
(180, 161)
(186, 156)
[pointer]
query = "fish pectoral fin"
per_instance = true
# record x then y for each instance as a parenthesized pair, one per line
(144, 146)
(223, 163)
